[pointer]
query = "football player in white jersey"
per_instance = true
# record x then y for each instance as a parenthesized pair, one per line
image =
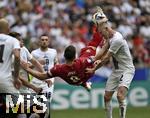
(123, 70)
(9, 83)
(24, 76)
(8, 46)
(48, 58)
(27, 57)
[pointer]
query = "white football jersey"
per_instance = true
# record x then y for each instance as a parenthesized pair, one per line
(7, 44)
(49, 56)
(25, 56)
(122, 58)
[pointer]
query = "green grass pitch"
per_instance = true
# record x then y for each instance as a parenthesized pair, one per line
(132, 112)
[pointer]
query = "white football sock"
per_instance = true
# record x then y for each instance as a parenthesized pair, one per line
(122, 108)
(108, 109)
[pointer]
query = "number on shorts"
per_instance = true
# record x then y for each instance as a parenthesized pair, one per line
(1, 53)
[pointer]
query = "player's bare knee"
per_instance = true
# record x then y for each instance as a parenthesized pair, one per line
(120, 96)
(107, 98)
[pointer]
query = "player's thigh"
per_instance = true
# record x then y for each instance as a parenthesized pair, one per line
(112, 83)
(126, 79)
(48, 91)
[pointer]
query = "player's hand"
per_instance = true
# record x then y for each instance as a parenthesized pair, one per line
(38, 90)
(24, 64)
(90, 70)
(97, 63)
(49, 83)
(17, 83)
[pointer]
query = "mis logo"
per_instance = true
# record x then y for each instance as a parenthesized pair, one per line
(26, 103)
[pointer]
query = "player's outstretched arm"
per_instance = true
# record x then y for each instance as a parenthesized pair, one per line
(37, 64)
(17, 82)
(16, 53)
(103, 60)
(29, 85)
(37, 74)
(99, 63)
(102, 52)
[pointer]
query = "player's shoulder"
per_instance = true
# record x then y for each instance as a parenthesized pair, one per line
(59, 67)
(35, 51)
(52, 49)
(62, 66)
(24, 49)
(79, 61)
(7, 37)
(117, 37)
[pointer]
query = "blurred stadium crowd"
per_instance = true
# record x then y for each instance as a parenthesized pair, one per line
(69, 22)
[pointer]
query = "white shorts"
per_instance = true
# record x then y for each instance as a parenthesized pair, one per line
(45, 89)
(119, 79)
(49, 90)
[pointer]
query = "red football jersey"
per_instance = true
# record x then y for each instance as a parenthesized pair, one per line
(73, 74)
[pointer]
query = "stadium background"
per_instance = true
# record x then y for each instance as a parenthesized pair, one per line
(69, 22)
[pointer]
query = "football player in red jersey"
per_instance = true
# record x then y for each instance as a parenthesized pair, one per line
(73, 71)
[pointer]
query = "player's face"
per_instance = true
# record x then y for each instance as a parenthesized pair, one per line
(44, 41)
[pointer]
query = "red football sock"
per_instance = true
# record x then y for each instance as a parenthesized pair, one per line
(97, 40)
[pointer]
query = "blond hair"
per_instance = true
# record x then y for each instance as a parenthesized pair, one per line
(4, 25)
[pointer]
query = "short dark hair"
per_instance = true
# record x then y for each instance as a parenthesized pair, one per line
(43, 35)
(70, 52)
(15, 34)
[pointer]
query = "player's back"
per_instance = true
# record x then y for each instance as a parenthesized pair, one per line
(74, 73)
(7, 44)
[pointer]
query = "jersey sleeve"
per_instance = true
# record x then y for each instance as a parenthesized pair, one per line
(33, 53)
(55, 54)
(115, 44)
(56, 70)
(29, 56)
(16, 43)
